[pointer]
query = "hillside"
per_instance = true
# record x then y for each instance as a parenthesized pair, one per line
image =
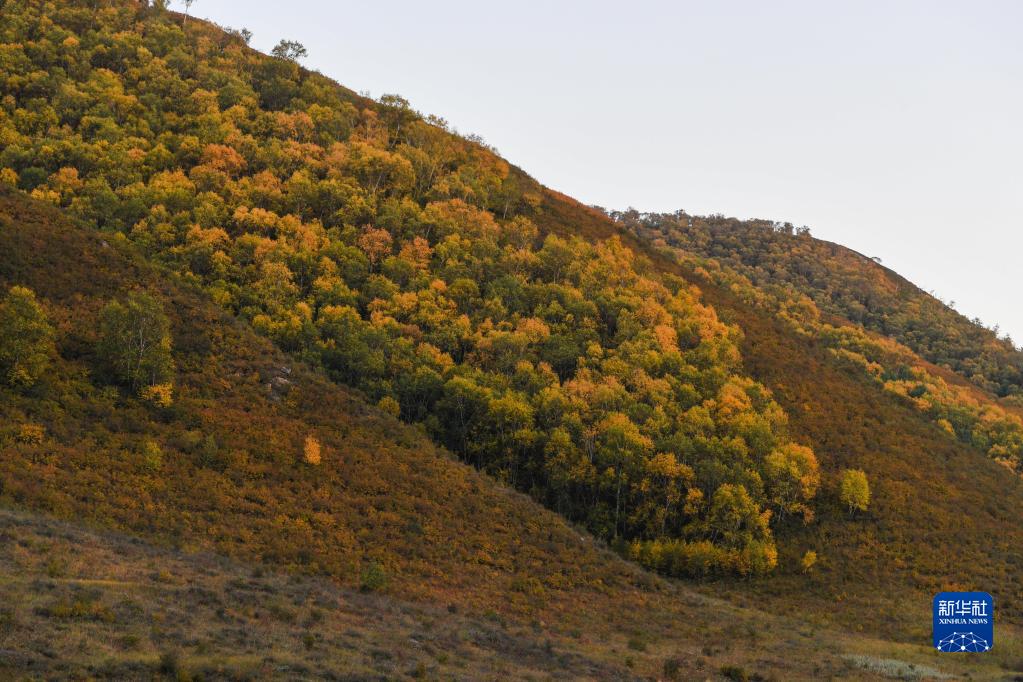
(395, 363)
(405, 261)
(844, 284)
(955, 395)
(141, 610)
(138, 611)
(923, 479)
(509, 586)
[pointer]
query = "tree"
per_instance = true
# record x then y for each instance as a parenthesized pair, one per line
(26, 338)
(854, 490)
(188, 5)
(135, 342)
(792, 477)
(662, 492)
(397, 115)
(735, 519)
(290, 50)
(375, 243)
(390, 406)
(621, 450)
(151, 455)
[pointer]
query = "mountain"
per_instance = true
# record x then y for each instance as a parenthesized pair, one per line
(256, 314)
(846, 285)
(923, 478)
(416, 547)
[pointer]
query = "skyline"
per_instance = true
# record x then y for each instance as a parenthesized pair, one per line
(888, 129)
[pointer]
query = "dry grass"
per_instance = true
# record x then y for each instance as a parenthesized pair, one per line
(108, 606)
(90, 604)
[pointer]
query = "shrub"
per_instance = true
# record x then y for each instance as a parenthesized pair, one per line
(757, 557)
(637, 643)
(208, 451)
(160, 395)
(151, 455)
(30, 434)
(311, 451)
(8, 622)
(735, 673)
(673, 668)
(528, 585)
(809, 560)
(373, 578)
(698, 559)
(170, 663)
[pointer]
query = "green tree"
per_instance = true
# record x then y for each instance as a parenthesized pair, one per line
(736, 522)
(854, 490)
(735, 518)
(621, 451)
(26, 338)
(292, 50)
(135, 342)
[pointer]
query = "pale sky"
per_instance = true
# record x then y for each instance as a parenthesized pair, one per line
(894, 128)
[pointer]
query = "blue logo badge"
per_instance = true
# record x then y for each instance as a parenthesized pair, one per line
(964, 622)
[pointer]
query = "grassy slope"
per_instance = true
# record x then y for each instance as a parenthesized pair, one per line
(103, 605)
(444, 534)
(138, 608)
(943, 515)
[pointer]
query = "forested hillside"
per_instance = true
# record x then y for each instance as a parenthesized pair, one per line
(921, 476)
(416, 548)
(227, 466)
(403, 259)
(247, 311)
(845, 284)
(781, 281)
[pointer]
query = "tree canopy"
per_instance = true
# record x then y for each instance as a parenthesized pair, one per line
(135, 343)
(854, 490)
(26, 338)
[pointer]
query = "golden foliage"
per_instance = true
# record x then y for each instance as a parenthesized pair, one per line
(161, 395)
(311, 451)
(854, 491)
(31, 434)
(808, 561)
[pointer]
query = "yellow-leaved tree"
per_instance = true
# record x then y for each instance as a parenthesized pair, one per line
(854, 490)
(26, 338)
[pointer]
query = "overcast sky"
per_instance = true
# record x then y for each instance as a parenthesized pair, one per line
(895, 128)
